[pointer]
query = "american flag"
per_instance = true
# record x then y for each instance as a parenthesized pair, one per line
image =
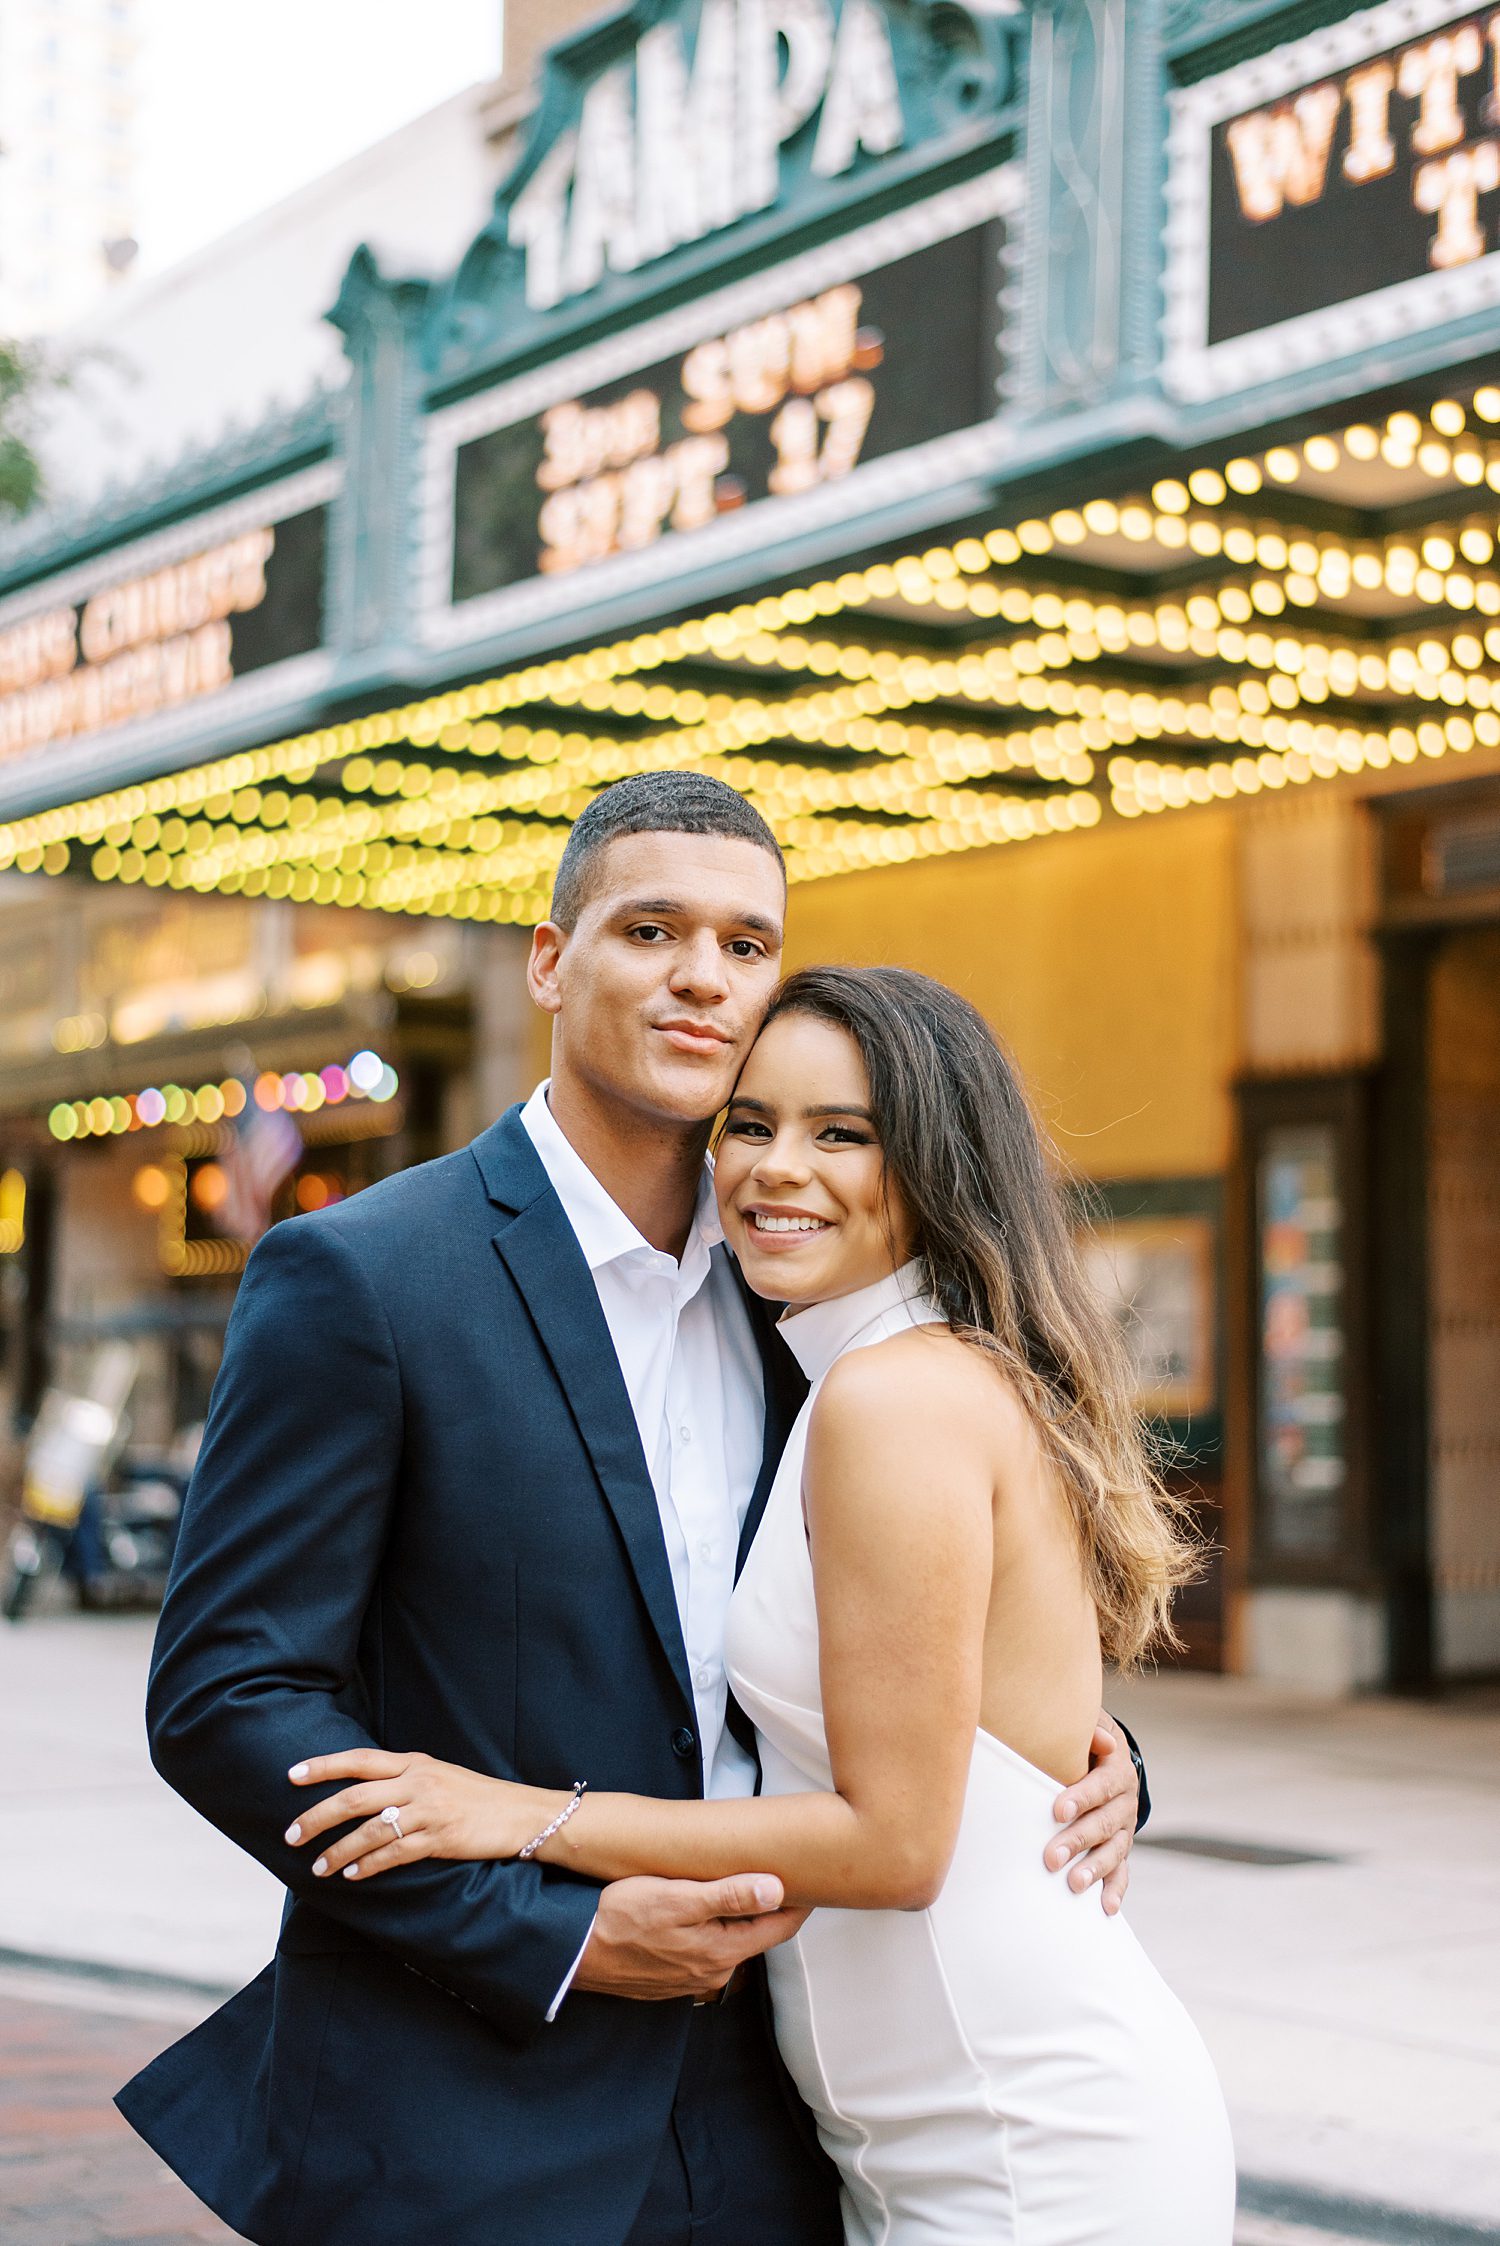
(266, 1147)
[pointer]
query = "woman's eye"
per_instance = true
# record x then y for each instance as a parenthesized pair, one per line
(841, 1135)
(743, 1128)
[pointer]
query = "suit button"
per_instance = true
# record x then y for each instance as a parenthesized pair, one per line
(684, 1742)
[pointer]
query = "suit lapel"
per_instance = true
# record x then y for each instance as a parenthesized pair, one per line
(538, 1249)
(786, 1392)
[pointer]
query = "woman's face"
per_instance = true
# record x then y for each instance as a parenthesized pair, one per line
(800, 1173)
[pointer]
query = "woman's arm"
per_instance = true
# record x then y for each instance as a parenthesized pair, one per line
(902, 1547)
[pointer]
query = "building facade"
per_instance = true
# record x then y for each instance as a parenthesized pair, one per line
(68, 152)
(1048, 457)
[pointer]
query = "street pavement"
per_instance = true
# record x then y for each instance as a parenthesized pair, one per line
(71, 2173)
(1352, 2002)
(1352, 2006)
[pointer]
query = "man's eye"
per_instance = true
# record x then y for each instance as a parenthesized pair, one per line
(649, 931)
(745, 947)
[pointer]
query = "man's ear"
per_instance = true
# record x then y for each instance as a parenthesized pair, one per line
(548, 943)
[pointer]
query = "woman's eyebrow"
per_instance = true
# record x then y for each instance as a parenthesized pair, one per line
(761, 1107)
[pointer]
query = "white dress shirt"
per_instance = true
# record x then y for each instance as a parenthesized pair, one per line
(692, 1371)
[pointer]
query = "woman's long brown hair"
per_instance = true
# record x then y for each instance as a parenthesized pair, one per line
(995, 1235)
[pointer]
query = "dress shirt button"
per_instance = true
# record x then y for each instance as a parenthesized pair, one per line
(707, 1548)
(704, 1679)
(684, 1742)
(686, 1434)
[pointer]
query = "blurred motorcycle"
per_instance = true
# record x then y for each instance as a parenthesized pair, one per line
(105, 1519)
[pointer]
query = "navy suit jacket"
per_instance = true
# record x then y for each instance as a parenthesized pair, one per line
(422, 1518)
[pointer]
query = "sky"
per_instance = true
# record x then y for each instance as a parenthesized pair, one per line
(244, 100)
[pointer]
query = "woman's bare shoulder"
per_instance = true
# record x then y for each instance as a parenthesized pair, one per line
(918, 1382)
(901, 1435)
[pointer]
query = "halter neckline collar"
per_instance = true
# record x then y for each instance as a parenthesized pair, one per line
(821, 1333)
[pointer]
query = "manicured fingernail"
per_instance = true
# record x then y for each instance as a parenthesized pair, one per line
(1066, 1809)
(767, 1894)
(1081, 1877)
(294, 1834)
(351, 1871)
(320, 1868)
(298, 1770)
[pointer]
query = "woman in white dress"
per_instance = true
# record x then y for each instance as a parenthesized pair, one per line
(964, 1523)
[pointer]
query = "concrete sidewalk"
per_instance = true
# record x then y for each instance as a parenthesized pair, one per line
(1352, 2004)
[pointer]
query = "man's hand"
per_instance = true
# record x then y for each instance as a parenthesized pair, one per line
(1099, 1815)
(657, 1938)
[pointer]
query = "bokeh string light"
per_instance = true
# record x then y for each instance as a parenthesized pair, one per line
(999, 688)
(300, 1092)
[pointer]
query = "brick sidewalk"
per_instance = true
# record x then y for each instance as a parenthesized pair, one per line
(71, 2172)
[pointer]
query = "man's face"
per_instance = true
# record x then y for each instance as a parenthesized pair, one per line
(659, 989)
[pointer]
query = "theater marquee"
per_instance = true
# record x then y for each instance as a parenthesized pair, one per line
(828, 381)
(1333, 195)
(227, 603)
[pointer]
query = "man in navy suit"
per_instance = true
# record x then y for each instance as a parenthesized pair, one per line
(488, 1444)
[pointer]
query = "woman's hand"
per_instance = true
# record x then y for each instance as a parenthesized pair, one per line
(439, 1808)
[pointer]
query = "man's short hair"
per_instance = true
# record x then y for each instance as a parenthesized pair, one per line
(651, 803)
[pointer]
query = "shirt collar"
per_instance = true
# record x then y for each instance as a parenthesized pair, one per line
(600, 1225)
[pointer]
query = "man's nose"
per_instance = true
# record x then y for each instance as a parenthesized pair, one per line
(700, 968)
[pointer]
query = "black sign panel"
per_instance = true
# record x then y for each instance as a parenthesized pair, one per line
(289, 620)
(779, 405)
(149, 638)
(1384, 172)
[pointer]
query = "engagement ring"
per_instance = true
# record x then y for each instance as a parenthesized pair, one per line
(392, 1817)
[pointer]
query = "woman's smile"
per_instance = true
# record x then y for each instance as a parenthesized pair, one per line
(779, 1229)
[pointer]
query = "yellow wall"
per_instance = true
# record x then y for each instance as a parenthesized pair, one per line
(1106, 960)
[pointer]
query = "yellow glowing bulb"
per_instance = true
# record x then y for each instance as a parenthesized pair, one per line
(1447, 417)
(1171, 497)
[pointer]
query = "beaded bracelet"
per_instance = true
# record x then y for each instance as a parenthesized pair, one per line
(580, 1788)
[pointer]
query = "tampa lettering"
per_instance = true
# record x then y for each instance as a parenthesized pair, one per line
(666, 152)
(1282, 154)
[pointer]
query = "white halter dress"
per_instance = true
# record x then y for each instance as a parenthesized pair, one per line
(1005, 2068)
